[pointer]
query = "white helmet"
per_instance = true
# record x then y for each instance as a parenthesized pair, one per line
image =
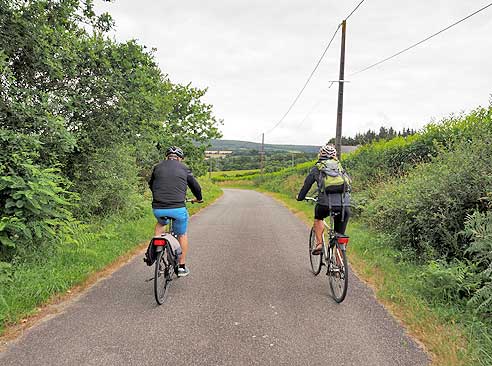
(174, 150)
(327, 151)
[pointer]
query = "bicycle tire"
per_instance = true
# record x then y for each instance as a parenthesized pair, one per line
(315, 260)
(162, 276)
(338, 273)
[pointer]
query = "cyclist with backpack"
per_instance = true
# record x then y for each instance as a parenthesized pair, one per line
(168, 183)
(333, 193)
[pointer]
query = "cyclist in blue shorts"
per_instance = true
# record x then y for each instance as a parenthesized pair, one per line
(168, 183)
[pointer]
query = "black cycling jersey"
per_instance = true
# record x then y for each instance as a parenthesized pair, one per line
(168, 184)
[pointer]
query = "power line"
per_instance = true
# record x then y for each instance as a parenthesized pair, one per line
(420, 42)
(309, 113)
(306, 83)
(353, 11)
(314, 70)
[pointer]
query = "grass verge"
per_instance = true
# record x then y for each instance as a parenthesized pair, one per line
(69, 268)
(448, 335)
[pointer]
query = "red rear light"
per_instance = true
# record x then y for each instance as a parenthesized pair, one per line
(343, 240)
(159, 241)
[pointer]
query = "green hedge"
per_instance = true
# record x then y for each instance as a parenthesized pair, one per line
(426, 210)
(385, 160)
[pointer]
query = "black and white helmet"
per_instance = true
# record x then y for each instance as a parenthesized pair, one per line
(327, 151)
(174, 150)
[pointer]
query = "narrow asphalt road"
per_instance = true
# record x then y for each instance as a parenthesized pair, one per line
(250, 300)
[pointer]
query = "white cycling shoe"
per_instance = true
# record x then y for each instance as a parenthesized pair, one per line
(183, 272)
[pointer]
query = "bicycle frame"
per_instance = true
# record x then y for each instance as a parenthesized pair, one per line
(330, 231)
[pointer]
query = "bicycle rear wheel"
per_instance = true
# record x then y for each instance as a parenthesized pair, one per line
(163, 275)
(316, 260)
(338, 273)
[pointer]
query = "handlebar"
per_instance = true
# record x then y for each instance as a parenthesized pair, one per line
(193, 200)
(311, 199)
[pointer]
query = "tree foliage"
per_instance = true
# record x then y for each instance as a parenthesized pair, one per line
(369, 136)
(84, 112)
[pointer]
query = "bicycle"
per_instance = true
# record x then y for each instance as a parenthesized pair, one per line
(167, 250)
(333, 255)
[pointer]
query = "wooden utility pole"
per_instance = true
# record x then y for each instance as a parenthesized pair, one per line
(338, 139)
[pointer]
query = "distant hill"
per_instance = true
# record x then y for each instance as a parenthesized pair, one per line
(236, 145)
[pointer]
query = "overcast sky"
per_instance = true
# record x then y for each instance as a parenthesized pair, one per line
(255, 55)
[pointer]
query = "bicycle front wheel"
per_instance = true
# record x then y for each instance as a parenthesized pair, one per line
(316, 260)
(338, 273)
(162, 277)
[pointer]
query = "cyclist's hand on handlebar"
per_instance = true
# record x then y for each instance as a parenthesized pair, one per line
(194, 200)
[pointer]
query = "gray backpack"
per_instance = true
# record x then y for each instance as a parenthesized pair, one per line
(332, 177)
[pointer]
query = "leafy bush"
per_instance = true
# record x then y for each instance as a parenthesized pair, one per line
(426, 210)
(449, 283)
(465, 281)
(35, 202)
(107, 180)
(35, 209)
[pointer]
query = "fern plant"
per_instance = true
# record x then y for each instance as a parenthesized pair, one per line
(478, 228)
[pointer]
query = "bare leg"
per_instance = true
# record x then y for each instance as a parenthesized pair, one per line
(183, 241)
(318, 229)
(159, 229)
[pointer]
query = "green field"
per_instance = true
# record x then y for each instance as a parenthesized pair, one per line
(234, 175)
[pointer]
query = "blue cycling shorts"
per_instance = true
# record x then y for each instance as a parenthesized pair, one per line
(180, 216)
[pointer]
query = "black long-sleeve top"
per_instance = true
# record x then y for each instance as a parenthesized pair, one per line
(168, 183)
